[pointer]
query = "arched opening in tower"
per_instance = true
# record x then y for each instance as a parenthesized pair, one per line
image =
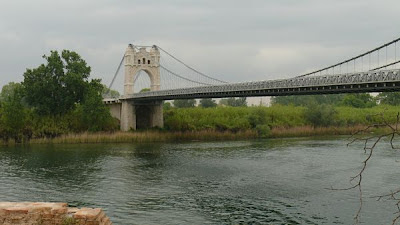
(142, 82)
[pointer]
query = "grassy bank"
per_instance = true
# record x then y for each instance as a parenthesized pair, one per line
(236, 123)
(147, 136)
(242, 118)
(204, 135)
(309, 131)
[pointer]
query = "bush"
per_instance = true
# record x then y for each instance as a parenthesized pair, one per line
(320, 115)
(263, 130)
(363, 100)
(257, 117)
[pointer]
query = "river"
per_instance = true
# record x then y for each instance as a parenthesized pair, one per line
(279, 181)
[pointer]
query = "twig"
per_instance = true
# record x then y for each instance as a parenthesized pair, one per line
(368, 147)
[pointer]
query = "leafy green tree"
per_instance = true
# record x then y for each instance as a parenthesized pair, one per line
(207, 103)
(144, 90)
(13, 115)
(184, 103)
(363, 100)
(9, 90)
(389, 98)
(320, 115)
(56, 87)
(258, 120)
(304, 100)
(107, 92)
(167, 106)
(263, 130)
(258, 116)
(95, 115)
(234, 102)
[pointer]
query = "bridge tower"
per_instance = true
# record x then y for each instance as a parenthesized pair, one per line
(141, 114)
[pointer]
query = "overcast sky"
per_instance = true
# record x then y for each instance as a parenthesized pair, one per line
(233, 40)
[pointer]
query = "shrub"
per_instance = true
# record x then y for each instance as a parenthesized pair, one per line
(263, 130)
(258, 116)
(320, 115)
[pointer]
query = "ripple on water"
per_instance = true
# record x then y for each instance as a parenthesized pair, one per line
(246, 182)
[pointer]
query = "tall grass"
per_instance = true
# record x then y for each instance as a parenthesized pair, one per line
(203, 135)
(146, 136)
(307, 131)
(352, 116)
(234, 123)
(231, 118)
(237, 118)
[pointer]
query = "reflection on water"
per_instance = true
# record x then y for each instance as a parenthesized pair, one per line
(280, 181)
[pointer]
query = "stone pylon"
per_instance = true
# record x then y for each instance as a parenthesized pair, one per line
(151, 113)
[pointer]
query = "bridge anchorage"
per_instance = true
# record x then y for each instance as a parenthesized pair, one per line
(372, 71)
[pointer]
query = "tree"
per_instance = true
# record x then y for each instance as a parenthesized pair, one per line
(258, 121)
(304, 100)
(207, 103)
(167, 106)
(390, 98)
(370, 139)
(110, 93)
(258, 116)
(363, 100)
(184, 103)
(144, 90)
(13, 114)
(56, 87)
(95, 115)
(9, 90)
(234, 102)
(320, 115)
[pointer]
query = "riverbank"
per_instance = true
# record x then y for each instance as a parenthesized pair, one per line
(222, 123)
(204, 135)
(146, 136)
(197, 123)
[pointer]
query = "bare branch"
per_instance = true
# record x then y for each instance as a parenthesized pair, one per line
(370, 142)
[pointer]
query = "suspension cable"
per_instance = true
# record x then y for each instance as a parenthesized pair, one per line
(356, 57)
(138, 74)
(116, 73)
(177, 75)
(387, 65)
(202, 74)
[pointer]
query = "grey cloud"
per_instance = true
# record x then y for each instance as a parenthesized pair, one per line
(236, 40)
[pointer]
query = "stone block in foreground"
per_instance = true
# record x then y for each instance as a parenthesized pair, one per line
(44, 213)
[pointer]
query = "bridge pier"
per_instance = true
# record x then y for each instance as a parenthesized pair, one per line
(141, 115)
(128, 116)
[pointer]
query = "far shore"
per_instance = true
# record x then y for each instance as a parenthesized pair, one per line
(149, 136)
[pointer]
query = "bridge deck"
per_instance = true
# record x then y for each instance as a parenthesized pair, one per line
(372, 81)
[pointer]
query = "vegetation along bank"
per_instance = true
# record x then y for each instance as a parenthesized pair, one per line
(58, 102)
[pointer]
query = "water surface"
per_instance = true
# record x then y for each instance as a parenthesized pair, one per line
(280, 181)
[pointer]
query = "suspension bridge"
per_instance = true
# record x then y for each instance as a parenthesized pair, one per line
(171, 78)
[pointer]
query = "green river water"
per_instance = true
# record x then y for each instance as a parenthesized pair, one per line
(279, 181)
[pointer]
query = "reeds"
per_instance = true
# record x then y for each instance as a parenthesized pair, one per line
(147, 136)
(203, 135)
(308, 131)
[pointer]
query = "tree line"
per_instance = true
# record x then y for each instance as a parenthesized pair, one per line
(361, 100)
(56, 97)
(59, 97)
(340, 110)
(207, 103)
(322, 110)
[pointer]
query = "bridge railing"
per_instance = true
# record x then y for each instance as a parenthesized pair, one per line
(300, 82)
